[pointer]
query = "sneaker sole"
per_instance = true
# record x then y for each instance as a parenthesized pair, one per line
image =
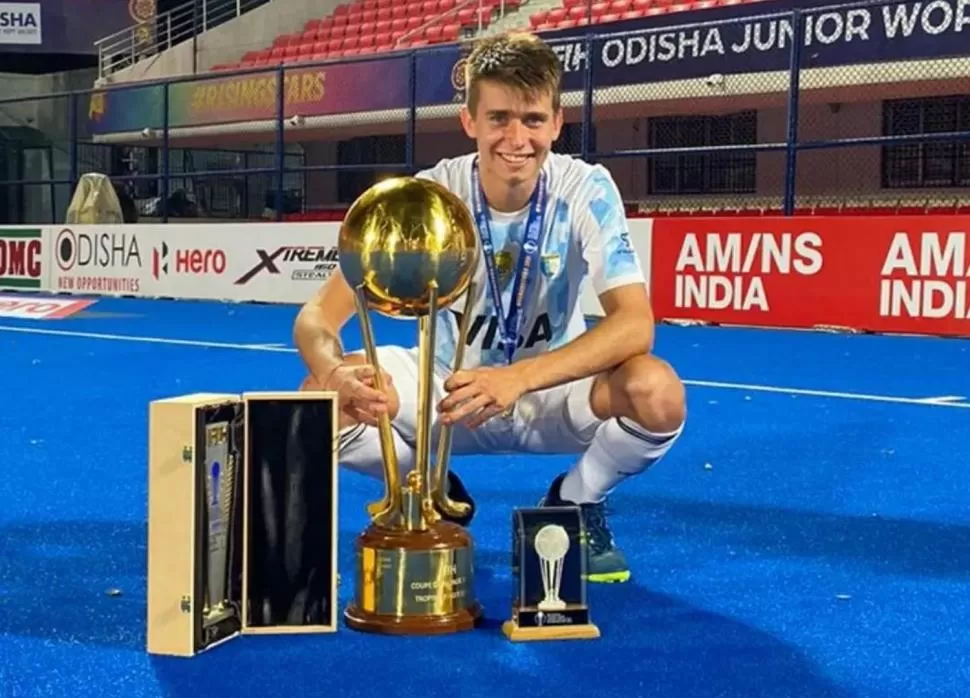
(609, 577)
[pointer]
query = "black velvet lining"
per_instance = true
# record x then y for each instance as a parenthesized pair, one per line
(291, 517)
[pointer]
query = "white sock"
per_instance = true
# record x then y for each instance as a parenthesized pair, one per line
(360, 451)
(620, 448)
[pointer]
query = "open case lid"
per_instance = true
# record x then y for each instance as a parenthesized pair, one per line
(243, 510)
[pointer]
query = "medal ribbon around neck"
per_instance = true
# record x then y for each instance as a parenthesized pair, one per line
(511, 326)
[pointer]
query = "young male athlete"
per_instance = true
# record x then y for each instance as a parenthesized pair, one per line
(534, 379)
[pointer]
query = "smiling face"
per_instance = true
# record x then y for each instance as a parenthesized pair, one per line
(514, 130)
(513, 113)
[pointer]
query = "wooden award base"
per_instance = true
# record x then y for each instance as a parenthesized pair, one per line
(517, 633)
(414, 582)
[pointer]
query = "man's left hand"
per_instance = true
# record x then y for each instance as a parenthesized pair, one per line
(477, 395)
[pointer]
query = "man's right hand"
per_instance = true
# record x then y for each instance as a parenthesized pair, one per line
(359, 397)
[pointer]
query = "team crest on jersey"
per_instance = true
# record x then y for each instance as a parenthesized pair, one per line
(550, 264)
(503, 265)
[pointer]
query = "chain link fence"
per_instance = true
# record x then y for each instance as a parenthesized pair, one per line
(891, 135)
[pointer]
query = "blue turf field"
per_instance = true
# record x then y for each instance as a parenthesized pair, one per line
(792, 545)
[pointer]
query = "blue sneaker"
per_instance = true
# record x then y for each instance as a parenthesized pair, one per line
(606, 562)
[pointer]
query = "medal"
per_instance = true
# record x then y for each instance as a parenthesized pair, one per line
(510, 325)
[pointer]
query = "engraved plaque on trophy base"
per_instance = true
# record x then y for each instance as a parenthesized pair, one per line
(242, 518)
(549, 552)
(414, 582)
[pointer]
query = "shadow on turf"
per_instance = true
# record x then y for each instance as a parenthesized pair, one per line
(652, 645)
(883, 545)
(55, 578)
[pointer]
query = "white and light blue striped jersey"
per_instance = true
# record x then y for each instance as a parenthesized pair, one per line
(586, 233)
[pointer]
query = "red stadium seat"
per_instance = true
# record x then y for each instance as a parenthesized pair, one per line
(577, 12)
(367, 26)
(450, 32)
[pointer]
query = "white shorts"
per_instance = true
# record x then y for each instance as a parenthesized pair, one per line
(556, 420)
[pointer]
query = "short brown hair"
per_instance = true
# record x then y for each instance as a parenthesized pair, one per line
(518, 60)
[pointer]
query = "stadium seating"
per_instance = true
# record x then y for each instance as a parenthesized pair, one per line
(579, 13)
(371, 26)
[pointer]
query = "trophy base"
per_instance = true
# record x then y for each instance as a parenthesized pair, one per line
(462, 621)
(517, 633)
(414, 582)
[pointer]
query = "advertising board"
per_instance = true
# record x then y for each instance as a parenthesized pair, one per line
(898, 274)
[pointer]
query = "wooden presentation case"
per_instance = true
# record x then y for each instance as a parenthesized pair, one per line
(285, 450)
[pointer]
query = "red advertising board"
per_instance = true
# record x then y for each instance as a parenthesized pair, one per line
(901, 274)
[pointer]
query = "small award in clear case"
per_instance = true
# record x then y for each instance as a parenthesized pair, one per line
(549, 576)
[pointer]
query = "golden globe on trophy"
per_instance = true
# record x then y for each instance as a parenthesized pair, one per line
(409, 248)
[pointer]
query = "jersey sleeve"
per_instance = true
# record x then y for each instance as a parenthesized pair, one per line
(443, 172)
(605, 235)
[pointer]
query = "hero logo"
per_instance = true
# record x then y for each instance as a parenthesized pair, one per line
(100, 250)
(188, 261)
(317, 262)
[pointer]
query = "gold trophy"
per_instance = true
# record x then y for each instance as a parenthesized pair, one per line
(409, 248)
